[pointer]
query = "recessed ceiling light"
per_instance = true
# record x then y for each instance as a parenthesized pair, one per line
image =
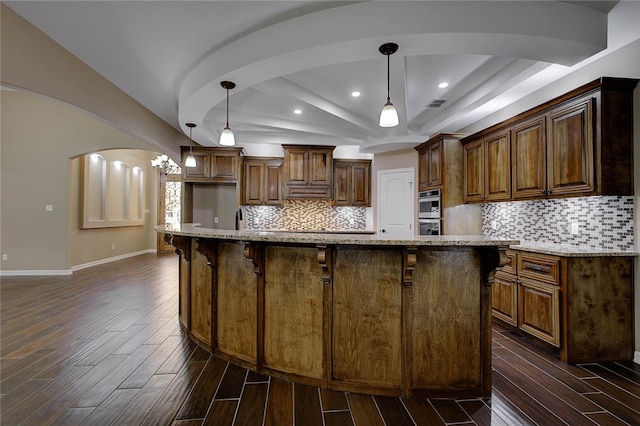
(355, 93)
(297, 111)
(443, 85)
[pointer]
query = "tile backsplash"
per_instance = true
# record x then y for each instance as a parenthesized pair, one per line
(299, 215)
(596, 222)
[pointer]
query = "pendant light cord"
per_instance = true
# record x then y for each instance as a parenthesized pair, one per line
(388, 80)
(227, 107)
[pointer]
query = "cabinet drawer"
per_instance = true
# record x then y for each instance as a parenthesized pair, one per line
(539, 267)
(539, 310)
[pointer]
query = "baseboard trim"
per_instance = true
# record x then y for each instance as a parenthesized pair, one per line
(636, 357)
(36, 272)
(111, 259)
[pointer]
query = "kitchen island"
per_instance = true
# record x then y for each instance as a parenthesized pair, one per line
(350, 312)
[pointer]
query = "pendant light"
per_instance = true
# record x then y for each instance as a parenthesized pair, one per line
(226, 137)
(191, 160)
(389, 115)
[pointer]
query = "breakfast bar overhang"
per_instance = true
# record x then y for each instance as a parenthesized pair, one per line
(349, 312)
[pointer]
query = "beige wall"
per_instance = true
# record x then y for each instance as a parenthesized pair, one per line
(393, 160)
(39, 139)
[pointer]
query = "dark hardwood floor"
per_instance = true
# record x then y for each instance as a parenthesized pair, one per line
(103, 346)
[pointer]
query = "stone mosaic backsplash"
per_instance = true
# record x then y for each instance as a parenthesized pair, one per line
(595, 222)
(299, 215)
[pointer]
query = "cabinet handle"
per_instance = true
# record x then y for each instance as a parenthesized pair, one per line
(539, 268)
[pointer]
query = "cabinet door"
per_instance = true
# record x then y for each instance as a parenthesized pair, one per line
(202, 170)
(430, 166)
(273, 182)
(539, 310)
(253, 182)
(320, 166)
(498, 167)
(529, 167)
(296, 166)
(570, 158)
(434, 164)
(224, 166)
(474, 172)
(504, 300)
(352, 183)
(361, 184)
(341, 183)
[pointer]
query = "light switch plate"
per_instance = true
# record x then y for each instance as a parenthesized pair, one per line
(48, 208)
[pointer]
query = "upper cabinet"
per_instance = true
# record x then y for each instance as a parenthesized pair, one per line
(529, 165)
(262, 179)
(430, 155)
(570, 156)
(487, 168)
(308, 172)
(578, 144)
(352, 183)
(212, 164)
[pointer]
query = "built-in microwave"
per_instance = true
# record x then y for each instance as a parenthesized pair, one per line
(429, 202)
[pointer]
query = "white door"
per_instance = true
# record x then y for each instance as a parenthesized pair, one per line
(396, 195)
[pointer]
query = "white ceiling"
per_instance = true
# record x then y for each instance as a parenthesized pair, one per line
(171, 56)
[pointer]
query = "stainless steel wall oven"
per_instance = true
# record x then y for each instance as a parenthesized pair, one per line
(430, 212)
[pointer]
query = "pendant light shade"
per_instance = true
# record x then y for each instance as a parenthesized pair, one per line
(389, 115)
(191, 160)
(226, 137)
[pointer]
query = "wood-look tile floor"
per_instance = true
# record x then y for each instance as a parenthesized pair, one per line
(103, 346)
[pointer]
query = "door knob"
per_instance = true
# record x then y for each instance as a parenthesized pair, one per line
(384, 230)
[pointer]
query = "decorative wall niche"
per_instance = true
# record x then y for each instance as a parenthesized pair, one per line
(112, 190)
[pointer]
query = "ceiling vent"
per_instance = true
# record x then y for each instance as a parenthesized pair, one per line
(436, 103)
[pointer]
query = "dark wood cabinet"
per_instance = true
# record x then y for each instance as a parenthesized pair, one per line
(578, 144)
(474, 171)
(570, 156)
(212, 164)
(308, 172)
(431, 160)
(504, 291)
(580, 305)
(352, 183)
(442, 163)
(487, 165)
(539, 283)
(529, 166)
(262, 181)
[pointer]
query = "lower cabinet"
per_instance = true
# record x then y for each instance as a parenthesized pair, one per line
(539, 310)
(504, 293)
(582, 305)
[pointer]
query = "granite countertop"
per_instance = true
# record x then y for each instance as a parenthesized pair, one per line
(193, 230)
(317, 231)
(567, 250)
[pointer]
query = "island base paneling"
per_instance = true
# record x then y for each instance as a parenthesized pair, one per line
(382, 319)
(236, 315)
(367, 309)
(446, 320)
(293, 314)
